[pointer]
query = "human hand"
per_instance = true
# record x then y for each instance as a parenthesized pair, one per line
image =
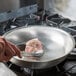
(8, 50)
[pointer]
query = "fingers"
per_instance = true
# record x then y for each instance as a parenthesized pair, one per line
(6, 55)
(5, 58)
(13, 48)
(16, 49)
(1, 47)
(9, 49)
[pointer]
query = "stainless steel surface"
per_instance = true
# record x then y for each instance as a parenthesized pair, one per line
(66, 8)
(57, 44)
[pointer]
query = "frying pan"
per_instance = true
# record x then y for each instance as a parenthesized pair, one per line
(66, 8)
(57, 44)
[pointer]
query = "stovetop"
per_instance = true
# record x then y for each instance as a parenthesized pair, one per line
(66, 68)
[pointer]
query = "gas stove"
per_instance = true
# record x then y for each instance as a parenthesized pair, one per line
(66, 68)
(54, 71)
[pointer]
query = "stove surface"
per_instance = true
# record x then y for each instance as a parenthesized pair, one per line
(66, 68)
(54, 71)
